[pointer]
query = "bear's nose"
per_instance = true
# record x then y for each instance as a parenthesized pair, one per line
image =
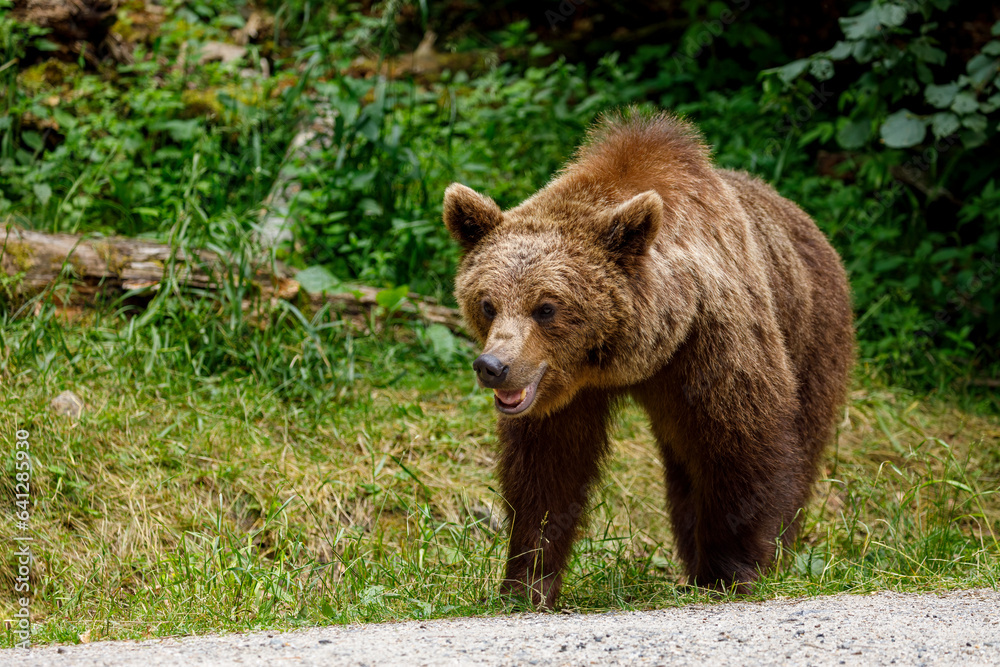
(490, 370)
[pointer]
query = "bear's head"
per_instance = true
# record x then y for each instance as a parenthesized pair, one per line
(546, 287)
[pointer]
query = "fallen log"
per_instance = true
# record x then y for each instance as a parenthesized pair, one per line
(112, 266)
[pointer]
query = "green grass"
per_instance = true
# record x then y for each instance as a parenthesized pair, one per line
(234, 473)
(267, 467)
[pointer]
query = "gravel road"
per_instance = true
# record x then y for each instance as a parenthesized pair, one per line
(959, 628)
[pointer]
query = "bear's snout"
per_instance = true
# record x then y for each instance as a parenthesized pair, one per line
(491, 371)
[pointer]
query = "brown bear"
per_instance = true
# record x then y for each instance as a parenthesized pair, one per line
(641, 270)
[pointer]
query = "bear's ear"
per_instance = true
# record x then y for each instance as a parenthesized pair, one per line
(468, 215)
(632, 226)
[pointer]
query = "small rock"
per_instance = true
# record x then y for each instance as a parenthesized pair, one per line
(67, 404)
(220, 51)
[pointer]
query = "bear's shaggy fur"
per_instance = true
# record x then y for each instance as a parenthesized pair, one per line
(715, 303)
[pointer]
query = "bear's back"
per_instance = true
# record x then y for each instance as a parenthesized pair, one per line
(811, 295)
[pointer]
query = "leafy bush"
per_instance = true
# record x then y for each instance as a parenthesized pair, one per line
(131, 149)
(370, 205)
(916, 126)
(900, 117)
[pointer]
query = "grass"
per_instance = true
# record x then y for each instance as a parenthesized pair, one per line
(231, 473)
(237, 469)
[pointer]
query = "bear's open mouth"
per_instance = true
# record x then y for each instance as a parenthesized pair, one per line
(517, 401)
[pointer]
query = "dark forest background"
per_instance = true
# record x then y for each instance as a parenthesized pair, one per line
(879, 118)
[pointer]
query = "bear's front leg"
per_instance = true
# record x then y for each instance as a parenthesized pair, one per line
(747, 498)
(546, 467)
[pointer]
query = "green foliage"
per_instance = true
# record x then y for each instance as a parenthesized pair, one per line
(366, 210)
(896, 46)
(370, 206)
(910, 203)
(134, 149)
(917, 122)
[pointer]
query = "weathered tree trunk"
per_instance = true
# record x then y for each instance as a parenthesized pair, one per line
(112, 266)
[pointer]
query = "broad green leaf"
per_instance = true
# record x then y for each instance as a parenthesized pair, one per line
(944, 123)
(840, 51)
(369, 128)
(232, 21)
(810, 564)
(945, 254)
(369, 206)
(992, 48)
(443, 343)
(981, 69)
(863, 26)
(792, 70)
(372, 594)
(965, 102)
(362, 179)
(821, 132)
(975, 122)
(903, 130)
(822, 69)
(33, 139)
(66, 121)
(972, 138)
(941, 96)
(392, 298)
(179, 130)
(991, 104)
(927, 53)
(43, 192)
(863, 51)
(316, 279)
(854, 134)
(887, 263)
(891, 15)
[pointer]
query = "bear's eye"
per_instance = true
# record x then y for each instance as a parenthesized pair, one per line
(488, 310)
(544, 313)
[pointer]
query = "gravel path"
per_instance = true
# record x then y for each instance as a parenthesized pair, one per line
(961, 628)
